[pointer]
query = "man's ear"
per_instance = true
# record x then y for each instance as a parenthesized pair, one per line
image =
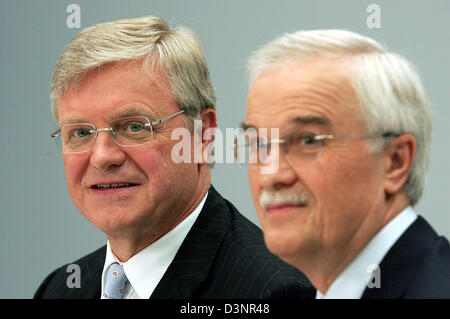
(399, 159)
(209, 120)
(209, 126)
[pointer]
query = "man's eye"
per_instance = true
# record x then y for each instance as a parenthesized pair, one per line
(135, 127)
(79, 133)
(308, 140)
(129, 127)
(303, 140)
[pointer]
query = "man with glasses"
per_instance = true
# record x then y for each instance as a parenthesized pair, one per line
(118, 92)
(352, 128)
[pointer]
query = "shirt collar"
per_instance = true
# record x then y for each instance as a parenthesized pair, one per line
(145, 269)
(352, 281)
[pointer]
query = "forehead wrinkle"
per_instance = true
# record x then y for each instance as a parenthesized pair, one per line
(312, 98)
(321, 92)
(311, 119)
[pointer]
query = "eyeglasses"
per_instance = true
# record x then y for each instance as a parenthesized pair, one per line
(127, 131)
(254, 151)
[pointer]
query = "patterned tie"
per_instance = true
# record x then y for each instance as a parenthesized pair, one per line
(115, 282)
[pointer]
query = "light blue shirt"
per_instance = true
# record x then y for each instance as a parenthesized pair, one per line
(353, 280)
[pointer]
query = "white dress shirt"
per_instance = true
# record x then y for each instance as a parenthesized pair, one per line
(145, 269)
(352, 281)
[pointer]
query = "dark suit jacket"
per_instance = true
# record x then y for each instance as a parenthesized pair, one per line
(223, 256)
(417, 266)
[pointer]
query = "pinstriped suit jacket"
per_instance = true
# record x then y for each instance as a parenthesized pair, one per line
(223, 256)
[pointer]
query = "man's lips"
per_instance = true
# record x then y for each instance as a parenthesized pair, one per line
(111, 185)
(282, 208)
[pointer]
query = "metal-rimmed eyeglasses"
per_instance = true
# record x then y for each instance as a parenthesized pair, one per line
(129, 131)
(254, 150)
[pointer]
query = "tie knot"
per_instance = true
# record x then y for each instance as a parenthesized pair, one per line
(115, 282)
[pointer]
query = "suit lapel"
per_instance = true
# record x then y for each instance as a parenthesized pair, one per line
(93, 281)
(91, 273)
(196, 254)
(398, 266)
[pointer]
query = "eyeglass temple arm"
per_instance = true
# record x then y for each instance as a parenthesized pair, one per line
(168, 117)
(384, 135)
(56, 133)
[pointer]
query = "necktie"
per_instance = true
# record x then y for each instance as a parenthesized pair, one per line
(115, 282)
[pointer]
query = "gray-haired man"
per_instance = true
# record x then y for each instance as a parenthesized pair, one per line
(354, 135)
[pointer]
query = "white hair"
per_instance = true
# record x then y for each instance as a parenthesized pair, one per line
(389, 90)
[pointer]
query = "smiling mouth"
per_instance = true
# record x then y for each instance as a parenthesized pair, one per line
(110, 186)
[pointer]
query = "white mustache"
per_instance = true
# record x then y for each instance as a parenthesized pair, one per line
(280, 197)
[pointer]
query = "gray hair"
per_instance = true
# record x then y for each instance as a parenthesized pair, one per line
(177, 52)
(389, 90)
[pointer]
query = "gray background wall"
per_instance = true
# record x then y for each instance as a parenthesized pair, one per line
(39, 227)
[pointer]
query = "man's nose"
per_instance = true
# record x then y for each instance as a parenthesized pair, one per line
(277, 172)
(105, 152)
